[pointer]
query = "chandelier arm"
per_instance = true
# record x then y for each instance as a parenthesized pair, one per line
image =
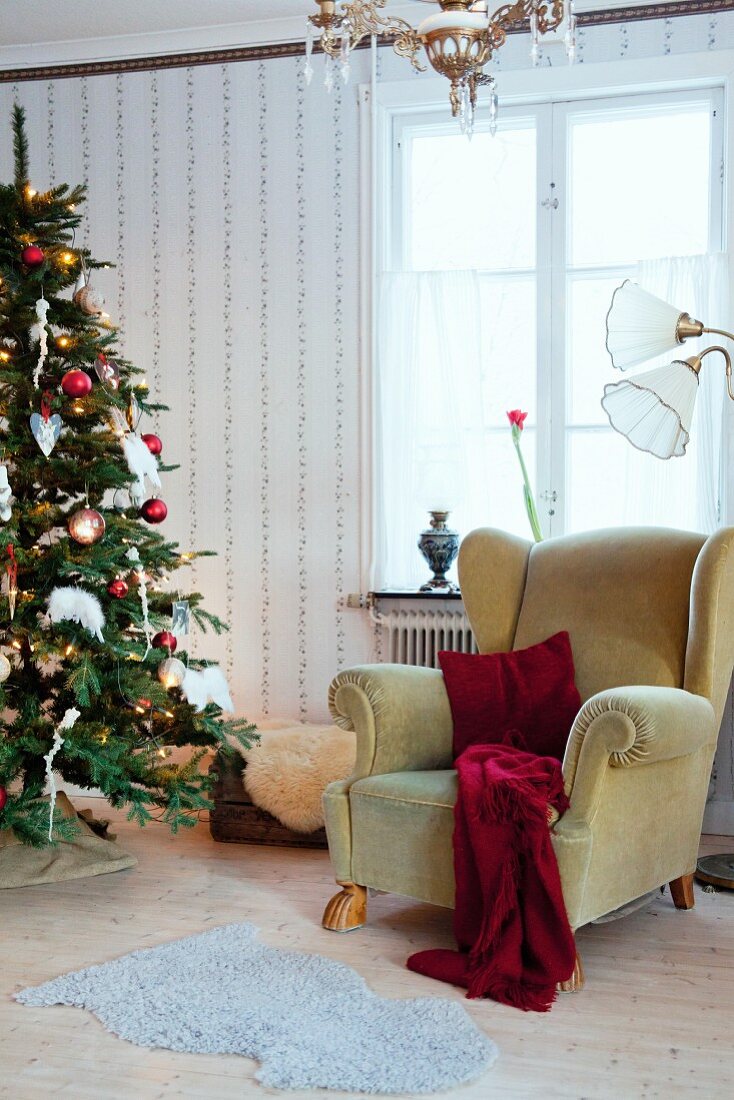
(549, 20)
(549, 16)
(362, 19)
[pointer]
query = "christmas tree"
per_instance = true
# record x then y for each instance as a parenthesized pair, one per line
(90, 687)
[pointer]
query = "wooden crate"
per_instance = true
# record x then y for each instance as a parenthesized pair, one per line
(235, 820)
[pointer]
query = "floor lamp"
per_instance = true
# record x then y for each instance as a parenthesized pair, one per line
(654, 410)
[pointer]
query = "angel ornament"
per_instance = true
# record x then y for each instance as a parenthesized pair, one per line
(141, 464)
(209, 684)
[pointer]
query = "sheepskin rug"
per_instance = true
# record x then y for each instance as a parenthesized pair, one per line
(289, 769)
(311, 1022)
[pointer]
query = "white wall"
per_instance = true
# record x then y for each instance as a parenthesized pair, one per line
(228, 196)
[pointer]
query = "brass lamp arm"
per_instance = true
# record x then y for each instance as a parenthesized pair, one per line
(726, 355)
(719, 332)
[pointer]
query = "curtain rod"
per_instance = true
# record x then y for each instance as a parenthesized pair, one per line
(603, 17)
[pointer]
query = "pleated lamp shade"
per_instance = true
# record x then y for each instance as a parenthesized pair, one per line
(655, 409)
(639, 326)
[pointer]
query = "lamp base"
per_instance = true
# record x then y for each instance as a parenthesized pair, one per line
(717, 870)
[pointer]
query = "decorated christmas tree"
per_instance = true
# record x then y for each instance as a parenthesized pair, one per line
(90, 687)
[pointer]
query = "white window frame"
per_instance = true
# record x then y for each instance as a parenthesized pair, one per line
(384, 107)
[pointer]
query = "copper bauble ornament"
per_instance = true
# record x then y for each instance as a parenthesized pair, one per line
(165, 640)
(76, 383)
(171, 672)
(86, 526)
(87, 299)
(154, 510)
(153, 443)
(118, 588)
(32, 256)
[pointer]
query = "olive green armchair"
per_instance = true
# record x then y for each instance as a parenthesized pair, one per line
(650, 613)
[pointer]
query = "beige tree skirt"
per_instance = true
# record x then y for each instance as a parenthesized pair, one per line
(83, 857)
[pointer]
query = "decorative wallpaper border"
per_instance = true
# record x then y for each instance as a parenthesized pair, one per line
(228, 334)
(264, 323)
(673, 10)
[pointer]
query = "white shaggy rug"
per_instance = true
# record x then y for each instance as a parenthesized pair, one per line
(289, 769)
(311, 1022)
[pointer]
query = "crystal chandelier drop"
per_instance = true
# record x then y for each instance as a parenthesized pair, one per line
(458, 40)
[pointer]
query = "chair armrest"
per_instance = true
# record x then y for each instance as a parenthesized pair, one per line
(626, 728)
(400, 714)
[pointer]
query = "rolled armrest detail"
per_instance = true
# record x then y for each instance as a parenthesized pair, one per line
(630, 727)
(401, 716)
(652, 723)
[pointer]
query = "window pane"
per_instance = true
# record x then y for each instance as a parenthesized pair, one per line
(509, 347)
(610, 484)
(633, 193)
(589, 364)
(495, 498)
(471, 204)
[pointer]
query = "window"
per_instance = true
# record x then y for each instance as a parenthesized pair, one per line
(552, 214)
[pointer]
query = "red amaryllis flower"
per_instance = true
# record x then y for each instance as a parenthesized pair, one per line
(515, 416)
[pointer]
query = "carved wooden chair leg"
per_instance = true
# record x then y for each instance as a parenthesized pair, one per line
(681, 891)
(576, 982)
(347, 910)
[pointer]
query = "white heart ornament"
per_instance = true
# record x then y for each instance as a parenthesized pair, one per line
(46, 432)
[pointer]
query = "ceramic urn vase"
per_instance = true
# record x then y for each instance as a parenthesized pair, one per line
(439, 545)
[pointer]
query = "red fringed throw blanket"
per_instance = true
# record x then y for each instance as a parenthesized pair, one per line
(515, 942)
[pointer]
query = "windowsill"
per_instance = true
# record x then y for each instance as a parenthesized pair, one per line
(412, 594)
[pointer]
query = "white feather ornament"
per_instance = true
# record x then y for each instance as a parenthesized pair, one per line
(141, 464)
(40, 327)
(5, 494)
(77, 606)
(134, 556)
(210, 683)
(66, 723)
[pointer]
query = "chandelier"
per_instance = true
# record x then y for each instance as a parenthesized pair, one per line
(459, 40)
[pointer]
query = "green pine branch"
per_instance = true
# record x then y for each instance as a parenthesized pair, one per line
(128, 718)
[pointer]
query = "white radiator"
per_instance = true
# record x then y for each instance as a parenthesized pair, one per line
(416, 637)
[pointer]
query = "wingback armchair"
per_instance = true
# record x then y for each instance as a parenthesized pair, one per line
(650, 613)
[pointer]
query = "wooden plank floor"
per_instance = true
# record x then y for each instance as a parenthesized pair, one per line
(656, 1018)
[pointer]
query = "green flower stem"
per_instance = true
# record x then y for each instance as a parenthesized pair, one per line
(530, 508)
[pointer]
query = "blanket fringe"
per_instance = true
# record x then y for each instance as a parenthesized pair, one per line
(515, 993)
(497, 911)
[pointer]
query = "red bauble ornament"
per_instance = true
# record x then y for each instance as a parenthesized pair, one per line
(154, 510)
(3, 797)
(76, 383)
(32, 255)
(153, 443)
(118, 588)
(165, 640)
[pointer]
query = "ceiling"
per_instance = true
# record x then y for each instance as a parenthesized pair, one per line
(38, 32)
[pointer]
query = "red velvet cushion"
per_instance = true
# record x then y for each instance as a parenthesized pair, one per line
(527, 698)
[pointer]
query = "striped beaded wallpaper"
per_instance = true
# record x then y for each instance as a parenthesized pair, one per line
(227, 196)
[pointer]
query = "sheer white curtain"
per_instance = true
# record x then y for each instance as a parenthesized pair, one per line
(428, 411)
(686, 491)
